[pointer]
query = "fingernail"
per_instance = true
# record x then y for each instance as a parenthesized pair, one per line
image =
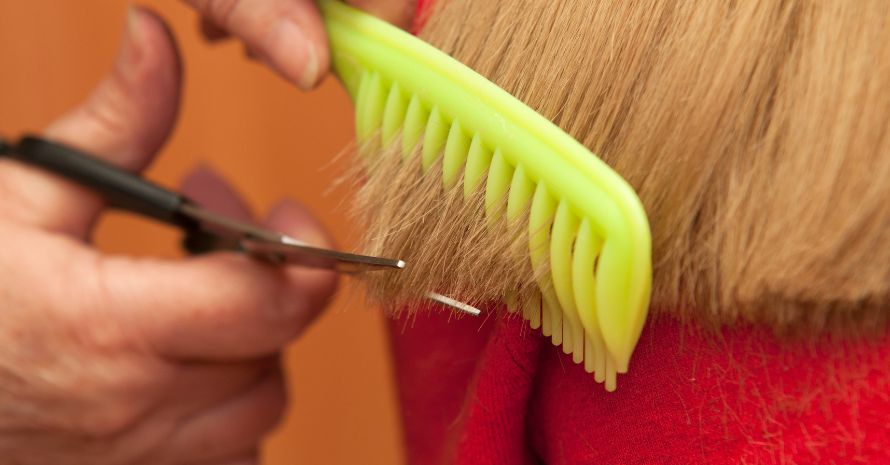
(199, 176)
(292, 53)
(296, 220)
(130, 52)
(310, 72)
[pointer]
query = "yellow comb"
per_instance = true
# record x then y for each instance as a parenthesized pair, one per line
(584, 218)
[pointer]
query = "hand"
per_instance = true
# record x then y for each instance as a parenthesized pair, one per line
(116, 360)
(288, 35)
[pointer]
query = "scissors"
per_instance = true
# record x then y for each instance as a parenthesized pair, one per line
(205, 231)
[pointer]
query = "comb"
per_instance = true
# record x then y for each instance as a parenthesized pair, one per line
(586, 226)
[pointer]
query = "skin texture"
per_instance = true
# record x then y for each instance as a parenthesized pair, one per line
(287, 35)
(122, 360)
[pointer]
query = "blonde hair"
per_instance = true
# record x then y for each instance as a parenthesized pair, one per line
(755, 132)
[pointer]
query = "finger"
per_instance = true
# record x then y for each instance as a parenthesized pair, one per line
(236, 427)
(209, 190)
(398, 12)
(199, 386)
(288, 35)
(125, 120)
(220, 306)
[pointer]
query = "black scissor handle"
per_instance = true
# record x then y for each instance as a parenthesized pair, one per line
(119, 188)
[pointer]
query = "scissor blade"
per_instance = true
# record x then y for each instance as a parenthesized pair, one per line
(280, 248)
(292, 251)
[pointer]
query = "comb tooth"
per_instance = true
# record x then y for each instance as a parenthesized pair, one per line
(546, 324)
(537, 237)
(531, 311)
(593, 359)
(568, 342)
(584, 289)
(574, 336)
(540, 219)
(456, 149)
(599, 360)
(393, 114)
(554, 313)
(433, 138)
(590, 356)
(568, 335)
(497, 185)
(521, 190)
(478, 162)
(416, 118)
(578, 335)
(578, 339)
(565, 224)
(362, 131)
(620, 312)
(611, 375)
(369, 111)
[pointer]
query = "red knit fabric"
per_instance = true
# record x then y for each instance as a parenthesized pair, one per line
(495, 392)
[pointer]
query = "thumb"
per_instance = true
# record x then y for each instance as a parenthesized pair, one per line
(125, 121)
(288, 35)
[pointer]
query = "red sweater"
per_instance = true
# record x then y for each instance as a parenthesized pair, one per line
(492, 391)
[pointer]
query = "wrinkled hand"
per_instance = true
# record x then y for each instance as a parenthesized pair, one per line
(288, 35)
(115, 360)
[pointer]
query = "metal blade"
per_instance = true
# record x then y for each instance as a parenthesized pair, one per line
(280, 248)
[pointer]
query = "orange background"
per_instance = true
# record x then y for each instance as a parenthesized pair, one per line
(271, 141)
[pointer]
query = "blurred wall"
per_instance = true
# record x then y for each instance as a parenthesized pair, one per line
(271, 141)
